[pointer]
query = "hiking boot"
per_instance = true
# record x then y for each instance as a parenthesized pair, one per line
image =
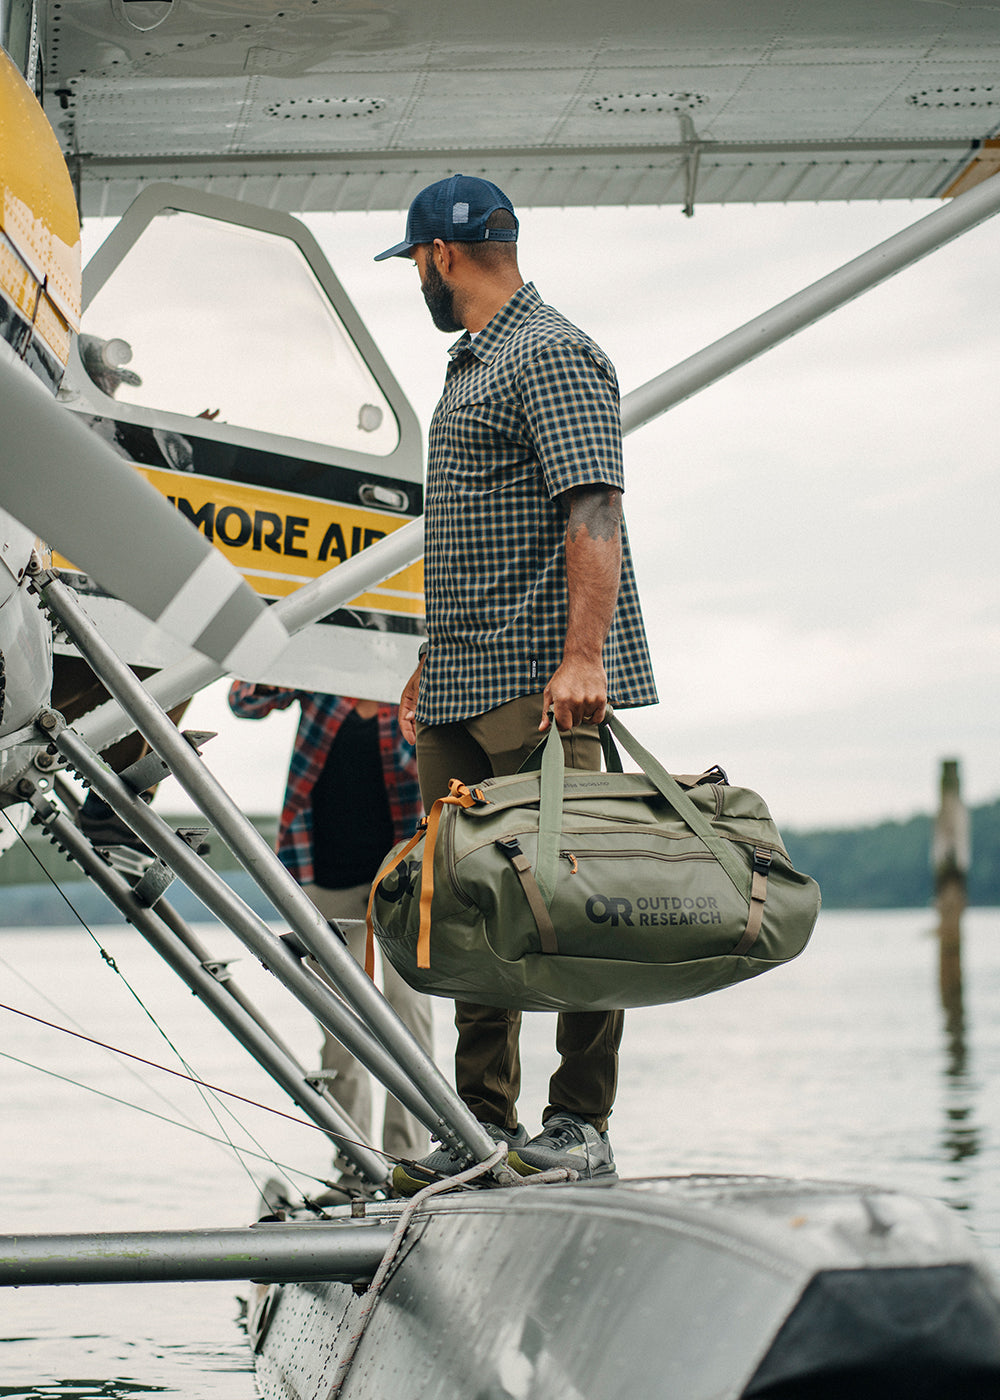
(410, 1177)
(567, 1140)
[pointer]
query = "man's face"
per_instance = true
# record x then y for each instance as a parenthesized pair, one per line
(438, 295)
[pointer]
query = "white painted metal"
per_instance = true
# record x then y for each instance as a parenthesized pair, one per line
(404, 460)
(177, 682)
(70, 509)
(371, 660)
(331, 107)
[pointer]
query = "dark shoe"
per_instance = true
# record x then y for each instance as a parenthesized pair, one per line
(567, 1141)
(335, 1196)
(103, 828)
(410, 1177)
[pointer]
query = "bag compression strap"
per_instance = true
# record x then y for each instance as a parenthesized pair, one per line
(758, 894)
(459, 796)
(511, 848)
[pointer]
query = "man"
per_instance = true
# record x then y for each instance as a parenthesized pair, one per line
(531, 607)
(351, 795)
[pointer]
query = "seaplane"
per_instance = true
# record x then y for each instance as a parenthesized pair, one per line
(167, 521)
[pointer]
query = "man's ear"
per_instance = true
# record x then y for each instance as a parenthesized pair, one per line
(444, 256)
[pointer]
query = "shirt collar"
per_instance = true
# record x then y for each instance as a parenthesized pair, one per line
(487, 343)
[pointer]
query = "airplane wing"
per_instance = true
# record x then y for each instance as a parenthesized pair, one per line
(355, 105)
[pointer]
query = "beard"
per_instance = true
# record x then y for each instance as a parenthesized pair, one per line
(440, 299)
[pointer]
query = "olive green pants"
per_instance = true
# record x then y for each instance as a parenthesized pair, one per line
(487, 1056)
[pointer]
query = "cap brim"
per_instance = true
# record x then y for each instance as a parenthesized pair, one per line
(400, 250)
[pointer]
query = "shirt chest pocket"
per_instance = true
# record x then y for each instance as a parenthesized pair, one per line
(482, 443)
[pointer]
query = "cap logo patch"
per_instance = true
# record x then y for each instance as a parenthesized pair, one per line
(460, 213)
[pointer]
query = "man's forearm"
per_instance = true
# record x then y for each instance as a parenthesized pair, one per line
(577, 692)
(593, 570)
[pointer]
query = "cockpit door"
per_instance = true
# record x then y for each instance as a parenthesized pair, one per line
(221, 356)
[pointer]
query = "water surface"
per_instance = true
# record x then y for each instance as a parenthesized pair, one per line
(843, 1065)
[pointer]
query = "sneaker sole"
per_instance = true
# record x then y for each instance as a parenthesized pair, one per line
(524, 1168)
(406, 1185)
(405, 1182)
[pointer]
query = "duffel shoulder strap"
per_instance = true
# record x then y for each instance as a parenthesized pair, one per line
(683, 806)
(550, 811)
(702, 827)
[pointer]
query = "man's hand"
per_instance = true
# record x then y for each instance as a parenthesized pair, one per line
(408, 705)
(577, 693)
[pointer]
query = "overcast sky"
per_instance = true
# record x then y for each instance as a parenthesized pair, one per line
(814, 536)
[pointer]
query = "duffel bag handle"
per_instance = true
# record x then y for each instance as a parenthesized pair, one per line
(551, 802)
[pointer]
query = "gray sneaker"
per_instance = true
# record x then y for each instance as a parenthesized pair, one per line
(567, 1140)
(410, 1177)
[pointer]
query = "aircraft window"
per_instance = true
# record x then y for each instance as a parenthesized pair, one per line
(231, 324)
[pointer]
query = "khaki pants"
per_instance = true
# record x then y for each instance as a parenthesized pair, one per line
(487, 1056)
(402, 1134)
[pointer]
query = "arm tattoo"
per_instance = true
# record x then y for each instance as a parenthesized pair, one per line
(596, 509)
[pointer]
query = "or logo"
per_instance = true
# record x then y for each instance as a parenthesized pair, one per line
(647, 910)
(609, 908)
(404, 879)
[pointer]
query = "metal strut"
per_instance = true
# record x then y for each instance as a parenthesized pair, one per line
(231, 1008)
(814, 302)
(265, 1253)
(359, 1017)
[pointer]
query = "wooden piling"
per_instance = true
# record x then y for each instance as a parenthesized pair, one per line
(950, 859)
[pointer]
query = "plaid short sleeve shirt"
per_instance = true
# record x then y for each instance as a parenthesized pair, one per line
(529, 409)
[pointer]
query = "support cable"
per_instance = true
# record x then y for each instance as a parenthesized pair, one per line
(234, 1012)
(113, 965)
(191, 1078)
(162, 1118)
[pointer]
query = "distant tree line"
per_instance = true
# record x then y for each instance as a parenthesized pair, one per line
(874, 867)
(888, 866)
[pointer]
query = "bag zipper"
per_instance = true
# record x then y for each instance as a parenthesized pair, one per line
(626, 855)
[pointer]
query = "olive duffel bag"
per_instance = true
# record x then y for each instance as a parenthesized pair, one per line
(570, 890)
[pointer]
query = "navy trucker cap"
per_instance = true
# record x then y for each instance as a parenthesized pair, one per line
(455, 209)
